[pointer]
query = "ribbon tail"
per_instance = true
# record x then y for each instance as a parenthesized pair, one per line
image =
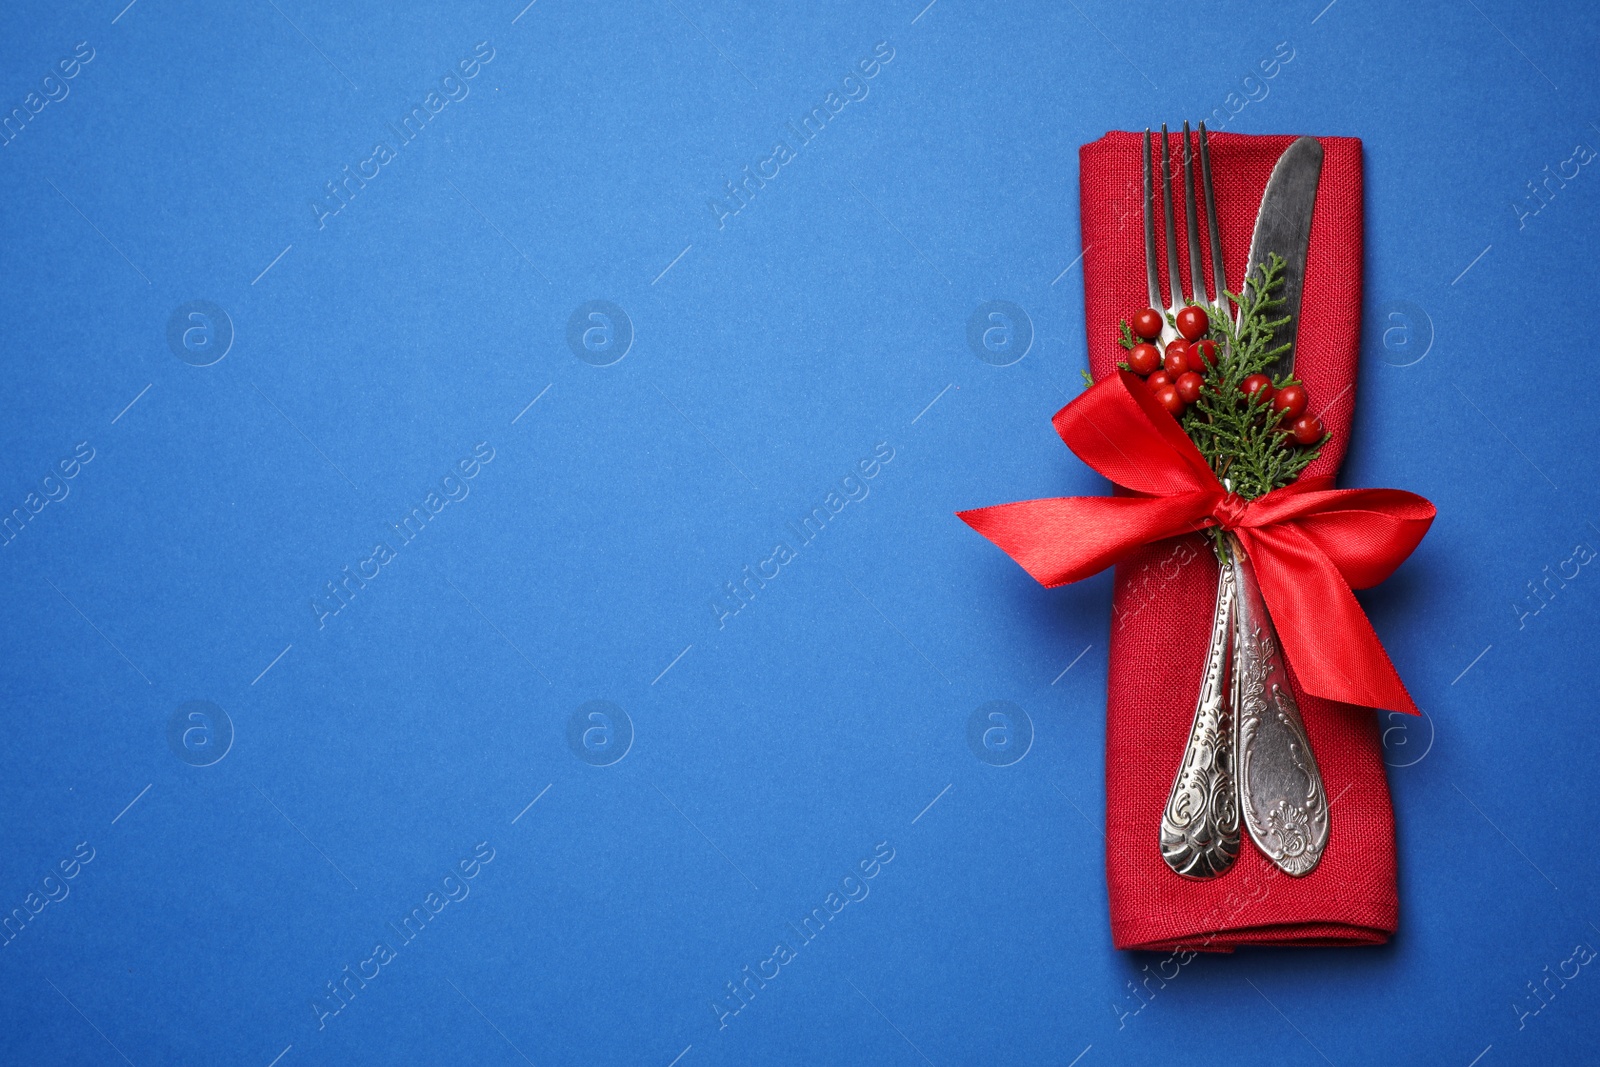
(1065, 539)
(1326, 637)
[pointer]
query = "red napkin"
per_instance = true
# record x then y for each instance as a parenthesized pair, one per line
(1164, 595)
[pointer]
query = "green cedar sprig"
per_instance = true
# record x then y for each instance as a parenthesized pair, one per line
(1128, 340)
(1240, 435)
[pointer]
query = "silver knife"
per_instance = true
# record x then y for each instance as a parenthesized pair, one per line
(1283, 225)
(1281, 794)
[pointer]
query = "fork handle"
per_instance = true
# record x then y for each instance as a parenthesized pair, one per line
(1200, 826)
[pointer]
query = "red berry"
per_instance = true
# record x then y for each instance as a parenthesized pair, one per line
(1257, 384)
(1148, 323)
(1188, 386)
(1192, 322)
(1178, 344)
(1306, 430)
(1144, 358)
(1168, 398)
(1158, 379)
(1203, 353)
(1176, 361)
(1290, 402)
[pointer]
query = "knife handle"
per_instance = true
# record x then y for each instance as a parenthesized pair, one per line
(1280, 787)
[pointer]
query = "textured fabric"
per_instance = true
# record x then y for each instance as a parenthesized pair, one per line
(1164, 595)
(1309, 541)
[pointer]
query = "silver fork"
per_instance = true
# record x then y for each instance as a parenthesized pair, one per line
(1200, 824)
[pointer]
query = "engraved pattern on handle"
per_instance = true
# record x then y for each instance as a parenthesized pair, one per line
(1200, 826)
(1280, 788)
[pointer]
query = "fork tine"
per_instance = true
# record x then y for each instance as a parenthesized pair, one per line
(1150, 229)
(1174, 276)
(1197, 276)
(1219, 276)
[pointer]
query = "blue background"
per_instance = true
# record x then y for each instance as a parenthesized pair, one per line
(773, 348)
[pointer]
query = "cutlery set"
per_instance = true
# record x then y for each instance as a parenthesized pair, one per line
(1247, 753)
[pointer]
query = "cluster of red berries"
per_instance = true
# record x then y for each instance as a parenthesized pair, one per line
(1177, 375)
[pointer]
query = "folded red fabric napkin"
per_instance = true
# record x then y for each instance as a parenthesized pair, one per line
(1165, 593)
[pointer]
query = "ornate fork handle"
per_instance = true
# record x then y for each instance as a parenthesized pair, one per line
(1280, 788)
(1200, 826)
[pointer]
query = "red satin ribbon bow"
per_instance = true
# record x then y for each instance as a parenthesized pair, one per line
(1311, 544)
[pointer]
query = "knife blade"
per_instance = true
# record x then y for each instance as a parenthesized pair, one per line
(1283, 225)
(1281, 795)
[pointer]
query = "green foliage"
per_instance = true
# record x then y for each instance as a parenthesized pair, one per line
(1127, 340)
(1240, 435)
